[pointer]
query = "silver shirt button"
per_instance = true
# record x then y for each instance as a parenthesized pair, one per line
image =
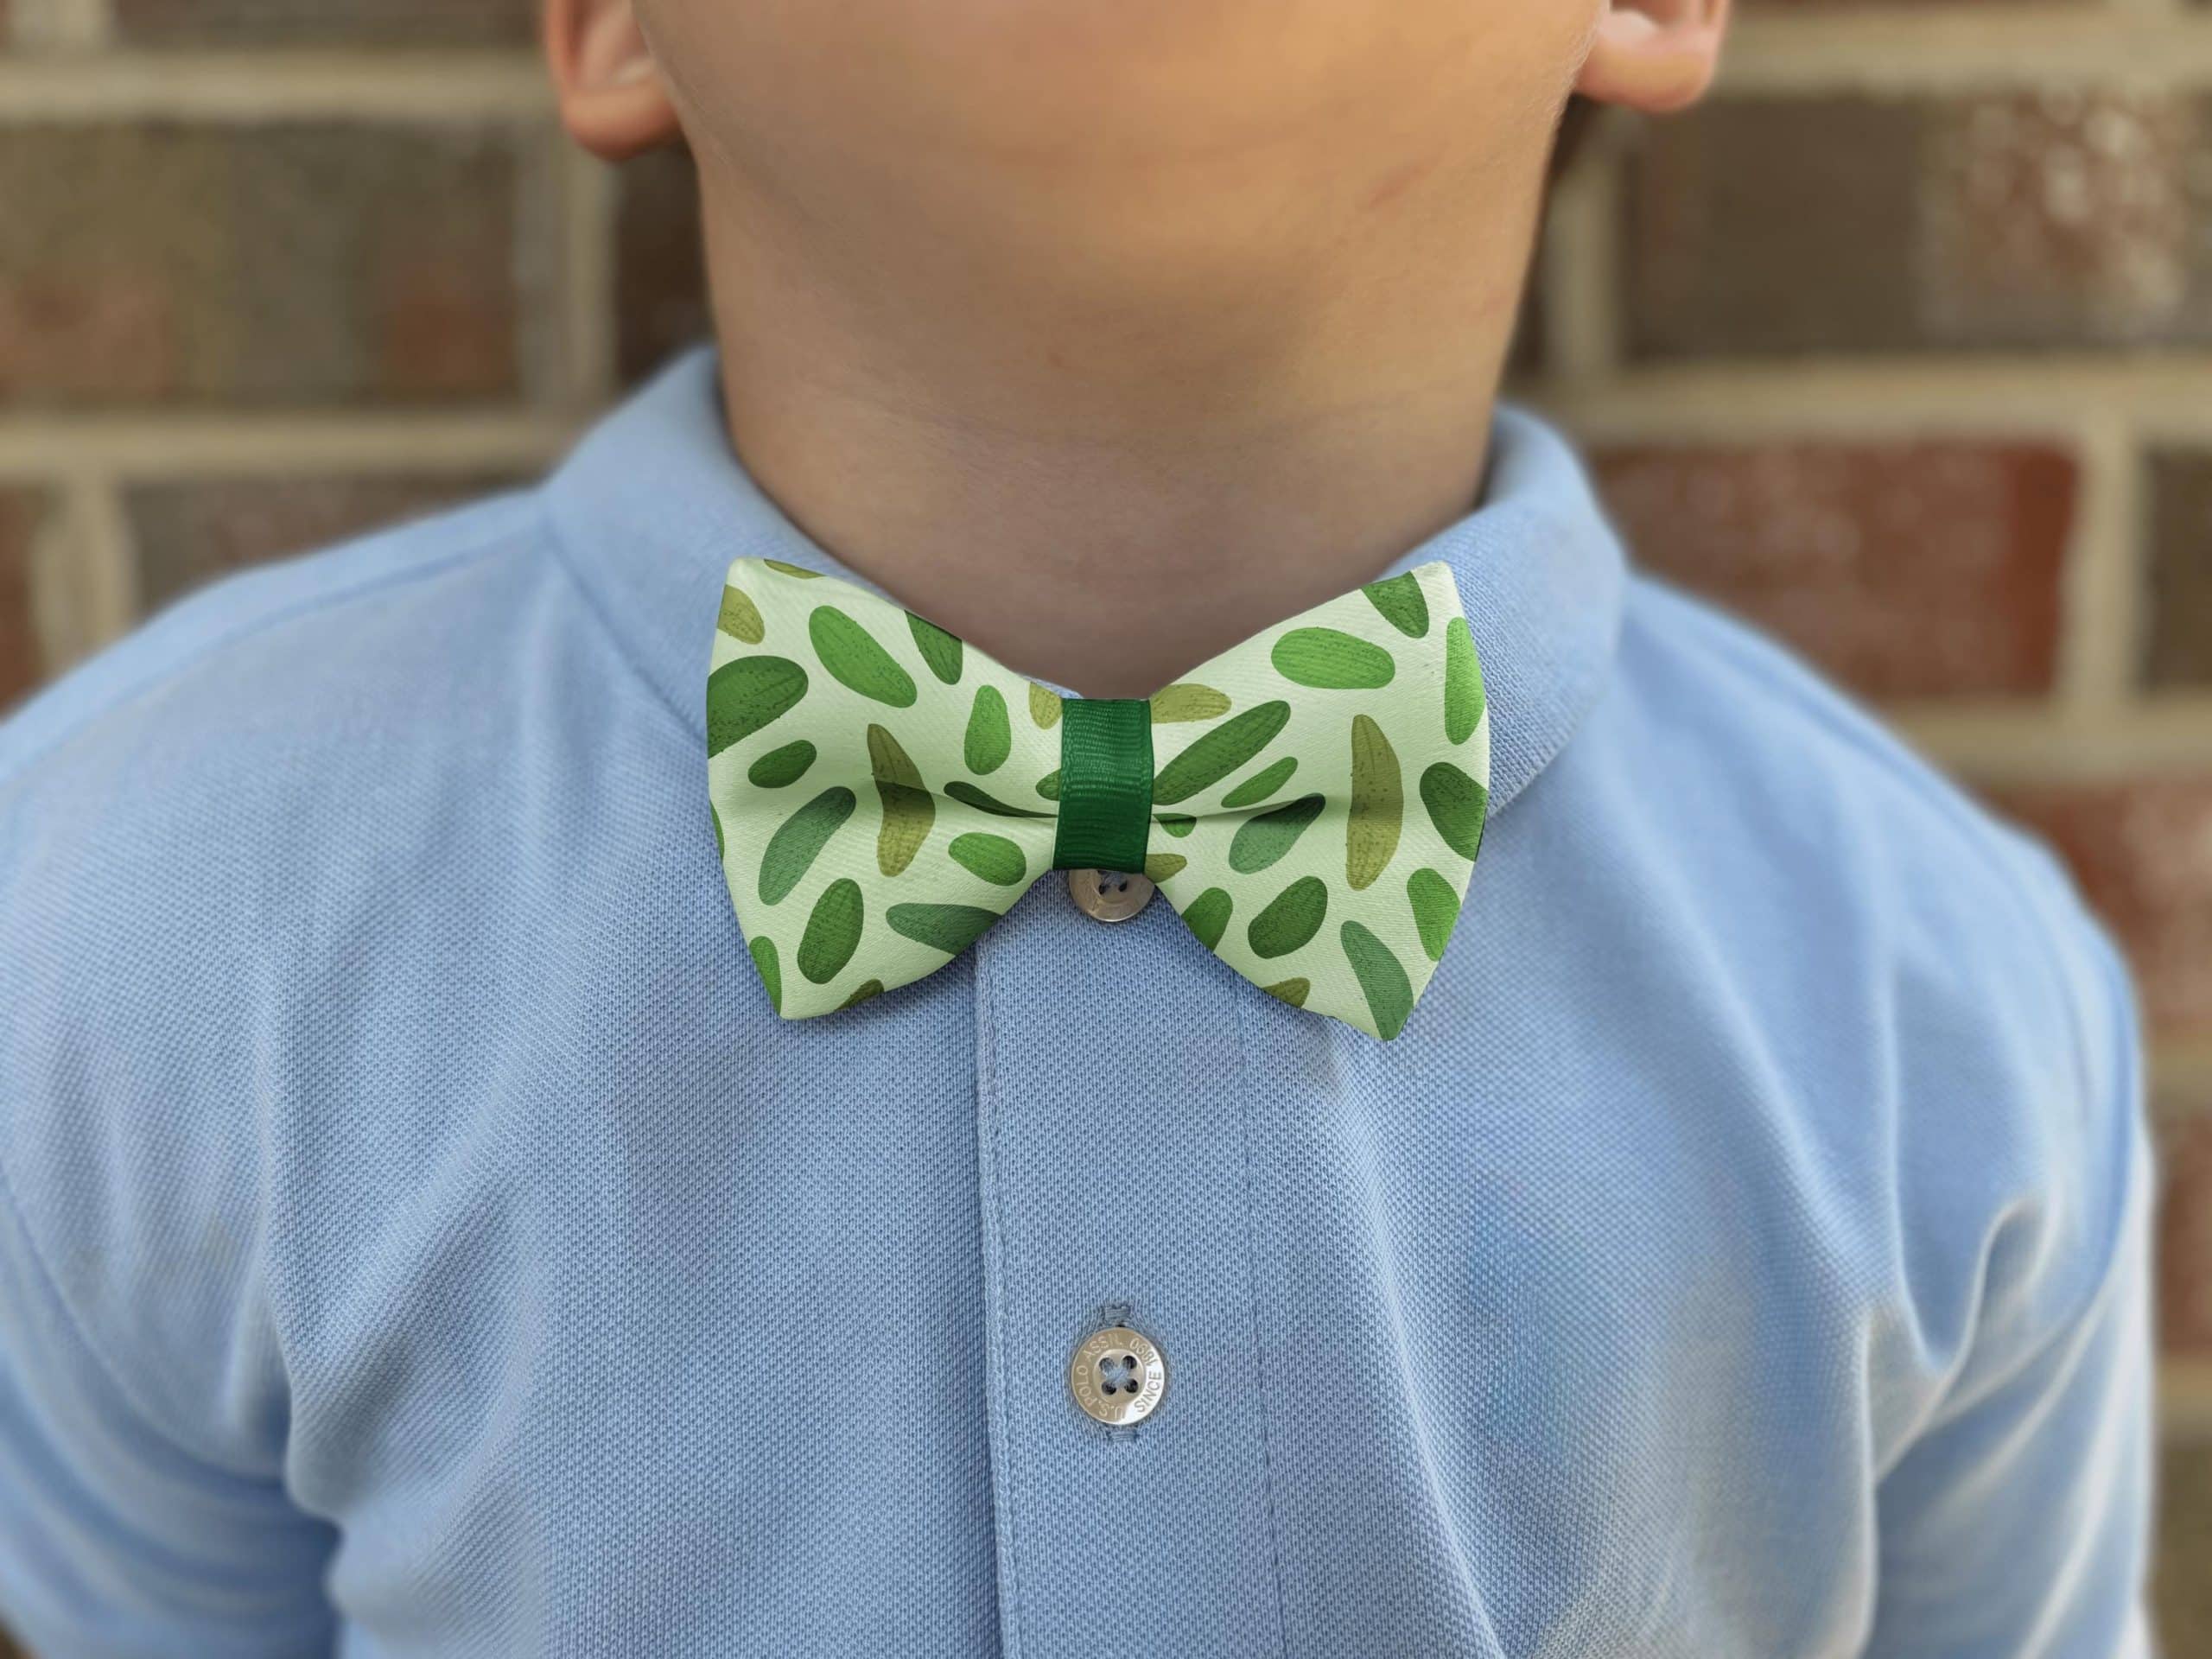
(1109, 895)
(1118, 1375)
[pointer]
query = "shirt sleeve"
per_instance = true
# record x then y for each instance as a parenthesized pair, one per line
(116, 1541)
(2016, 1522)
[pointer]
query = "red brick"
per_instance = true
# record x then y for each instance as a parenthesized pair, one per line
(2185, 1229)
(287, 264)
(189, 533)
(2177, 637)
(660, 281)
(286, 22)
(2011, 221)
(1907, 571)
(21, 662)
(2142, 852)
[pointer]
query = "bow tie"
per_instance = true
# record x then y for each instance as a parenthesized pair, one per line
(1310, 801)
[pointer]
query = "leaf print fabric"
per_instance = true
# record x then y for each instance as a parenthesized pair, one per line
(882, 793)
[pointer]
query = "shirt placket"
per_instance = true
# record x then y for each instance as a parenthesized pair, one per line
(1113, 1122)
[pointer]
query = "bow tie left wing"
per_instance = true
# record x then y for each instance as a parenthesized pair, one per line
(1322, 788)
(874, 783)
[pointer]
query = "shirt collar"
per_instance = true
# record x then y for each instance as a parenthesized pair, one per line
(653, 504)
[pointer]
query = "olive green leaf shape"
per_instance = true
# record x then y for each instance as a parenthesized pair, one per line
(1049, 784)
(968, 794)
(1044, 707)
(1381, 978)
(1404, 604)
(1159, 867)
(791, 569)
(798, 839)
(1463, 682)
(1186, 700)
(1329, 660)
(772, 971)
(855, 661)
(833, 931)
(1177, 825)
(1262, 783)
(779, 768)
(1219, 752)
(1456, 804)
(1263, 840)
(722, 850)
(1207, 916)
(990, 737)
(909, 809)
(1292, 917)
(940, 650)
(1292, 991)
(1378, 804)
(748, 693)
(862, 992)
(741, 617)
(993, 858)
(949, 928)
(1436, 908)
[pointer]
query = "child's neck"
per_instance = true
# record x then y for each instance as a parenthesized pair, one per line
(1106, 496)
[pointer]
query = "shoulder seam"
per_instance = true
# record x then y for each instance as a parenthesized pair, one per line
(472, 549)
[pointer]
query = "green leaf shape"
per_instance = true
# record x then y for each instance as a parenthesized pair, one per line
(1381, 979)
(1436, 909)
(1177, 825)
(772, 971)
(1292, 991)
(833, 931)
(1219, 752)
(721, 849)
(1456, 805)
(990, 736)
(1404, 604)
(865, 989)
(968, 794)
(1378, 806)
(780, 768)
(1329, 660)
(940, 650)
(1292, 917)
(1262, 783)
(1263, 840)
(991, 858)
(909, 809)
(1186, 700)
(1049, 784)
(791, 569)
(741, 617)
(1208, 914)
(1463, 682)
(1044, 707)
(746, 695)
(855, 661)
(799, 840)
(949, 928)
(1160, 867)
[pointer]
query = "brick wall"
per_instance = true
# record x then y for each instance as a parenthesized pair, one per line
(1902, 346)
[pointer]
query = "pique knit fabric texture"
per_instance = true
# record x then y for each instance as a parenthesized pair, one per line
(419, 1236)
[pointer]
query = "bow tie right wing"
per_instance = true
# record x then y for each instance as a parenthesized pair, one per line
(875, 783)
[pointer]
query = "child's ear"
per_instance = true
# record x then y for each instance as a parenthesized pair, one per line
(613, 99)
(1653, 55)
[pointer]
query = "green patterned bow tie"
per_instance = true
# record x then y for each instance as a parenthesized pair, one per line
(882, 794)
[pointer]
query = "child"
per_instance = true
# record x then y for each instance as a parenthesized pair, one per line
(599, 1076)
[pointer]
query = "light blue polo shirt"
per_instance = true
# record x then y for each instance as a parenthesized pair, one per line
(419, 1237)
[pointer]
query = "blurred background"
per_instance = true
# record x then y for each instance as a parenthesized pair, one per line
(1902, 346)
